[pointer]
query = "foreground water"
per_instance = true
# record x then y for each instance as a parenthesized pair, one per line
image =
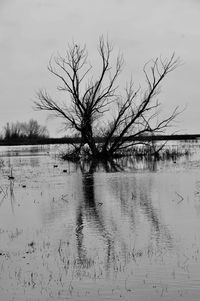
(67, 234)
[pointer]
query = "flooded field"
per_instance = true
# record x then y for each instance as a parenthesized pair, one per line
(67, 233)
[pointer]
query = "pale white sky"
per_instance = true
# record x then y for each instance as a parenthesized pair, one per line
(32, 30)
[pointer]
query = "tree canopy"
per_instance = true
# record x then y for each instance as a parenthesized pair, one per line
(95, 106)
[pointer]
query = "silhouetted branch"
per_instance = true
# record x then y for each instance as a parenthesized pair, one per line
(90, 100)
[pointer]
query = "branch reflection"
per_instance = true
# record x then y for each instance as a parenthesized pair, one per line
(90, 210)
(116, 220)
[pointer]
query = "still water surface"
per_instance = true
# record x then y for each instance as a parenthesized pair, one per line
(73, 234)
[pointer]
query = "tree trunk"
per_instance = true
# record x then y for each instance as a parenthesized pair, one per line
(88, 138)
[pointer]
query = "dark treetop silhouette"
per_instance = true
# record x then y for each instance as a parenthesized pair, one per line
(95, 108)
(24, 131)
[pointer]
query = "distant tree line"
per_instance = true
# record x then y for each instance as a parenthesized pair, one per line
(24, 131)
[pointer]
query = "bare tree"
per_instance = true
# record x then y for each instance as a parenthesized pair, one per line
(12, 131)
(33, 129)
(95, 107)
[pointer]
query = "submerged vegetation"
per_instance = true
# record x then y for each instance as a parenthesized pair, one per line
(96, 107)
(140, 156)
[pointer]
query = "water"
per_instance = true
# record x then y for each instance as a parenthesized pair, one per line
(69, 234)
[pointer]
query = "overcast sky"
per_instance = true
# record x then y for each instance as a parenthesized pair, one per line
(32, 30)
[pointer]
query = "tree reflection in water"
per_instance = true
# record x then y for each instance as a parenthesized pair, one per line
(131, 199)
(90, 210)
